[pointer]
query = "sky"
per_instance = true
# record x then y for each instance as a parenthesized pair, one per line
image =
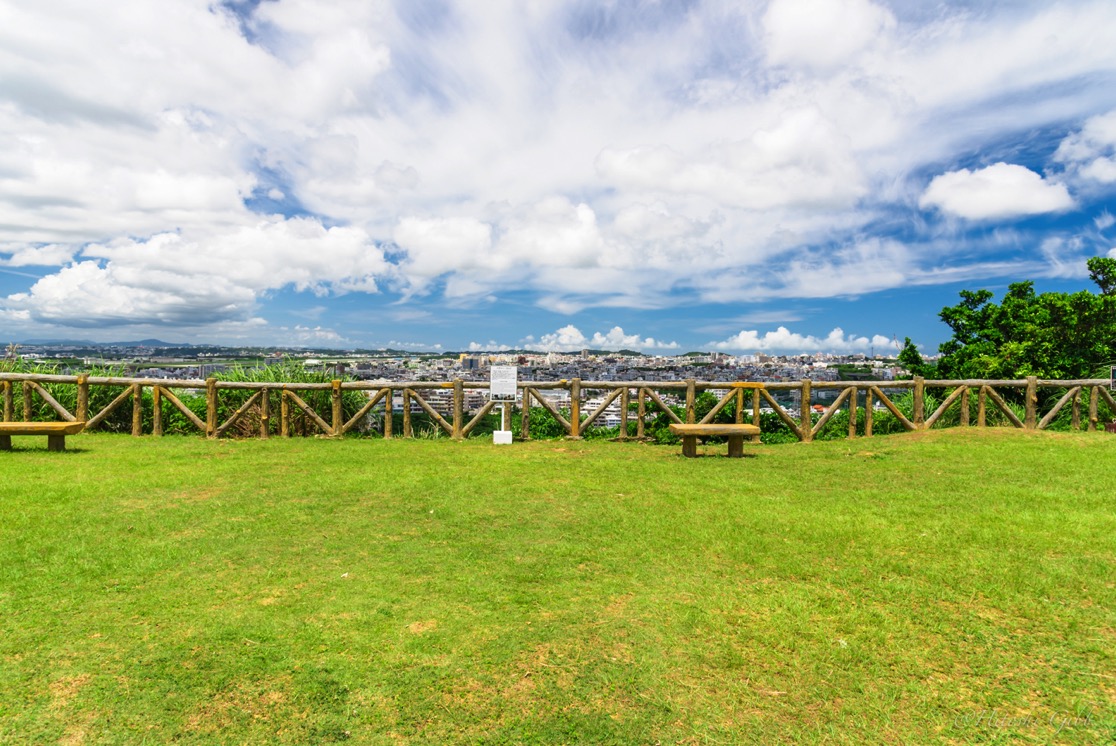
(656, 175)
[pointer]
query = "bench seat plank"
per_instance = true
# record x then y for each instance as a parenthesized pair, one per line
(41, 428)
(733, 432)
(56, 432)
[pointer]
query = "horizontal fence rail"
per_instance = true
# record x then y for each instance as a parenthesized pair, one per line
(455, 408)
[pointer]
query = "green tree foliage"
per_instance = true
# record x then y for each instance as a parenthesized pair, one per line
(1050, 335)
(911, 359)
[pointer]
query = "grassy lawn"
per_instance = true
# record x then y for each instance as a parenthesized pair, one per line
(953, 586)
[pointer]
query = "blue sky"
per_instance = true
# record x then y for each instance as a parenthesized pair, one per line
(787, 176)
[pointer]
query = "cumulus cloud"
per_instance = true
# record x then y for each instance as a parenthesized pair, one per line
(489, 346)
(570, 339)
(784, 340)
(1002, 190)
(170, 280)
(1091, 152)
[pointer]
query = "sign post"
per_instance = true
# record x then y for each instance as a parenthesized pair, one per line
(502, 388)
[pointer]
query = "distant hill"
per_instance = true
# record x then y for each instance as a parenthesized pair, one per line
(88, 343)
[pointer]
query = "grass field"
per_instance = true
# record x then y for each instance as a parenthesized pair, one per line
(952, 586)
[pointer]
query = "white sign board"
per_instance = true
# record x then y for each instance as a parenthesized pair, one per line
(502, 386)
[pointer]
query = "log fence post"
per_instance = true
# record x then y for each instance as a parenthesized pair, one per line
(641, 412)
(137, 410)
(211, 407)
(525, 415)
(389, 414)
(284, 414)
(7, 388)
(1094, 394)
(265, 413)
(625, 398)
(806, 428)
(458, 408)
(869, 412)
(982, 407)
(964, 407)
(756, 413)
(1030, 411)
(853, 412)
(82, 397)
(575, 408)
(335, 402)
(407, 429)
(156, 411)
(27, 390)
(691, 401)
(919, 414)
(1077, 410)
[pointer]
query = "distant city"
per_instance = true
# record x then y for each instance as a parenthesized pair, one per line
(152, 358)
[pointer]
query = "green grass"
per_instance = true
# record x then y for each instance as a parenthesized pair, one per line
(951, 586)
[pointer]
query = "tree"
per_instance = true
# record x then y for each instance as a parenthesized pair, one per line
(1050, 335)
(911, 359)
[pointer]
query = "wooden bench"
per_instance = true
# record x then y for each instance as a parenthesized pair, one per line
(734, 433)
(56, 432)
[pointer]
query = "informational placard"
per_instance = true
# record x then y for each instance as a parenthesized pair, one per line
(502, 385)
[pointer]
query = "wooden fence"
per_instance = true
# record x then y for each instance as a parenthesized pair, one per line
(859, 398)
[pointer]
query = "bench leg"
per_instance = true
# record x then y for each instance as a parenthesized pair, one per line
(736, 446)
(5, 442)
(689, 446)
(56, 442)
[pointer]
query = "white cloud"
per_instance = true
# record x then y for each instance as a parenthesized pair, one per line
(784, 340)
(46, 255)
(1092, 150)
(489, 346)
(168, 279)
(821, 34)
(570, 339)
(1002, 190)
